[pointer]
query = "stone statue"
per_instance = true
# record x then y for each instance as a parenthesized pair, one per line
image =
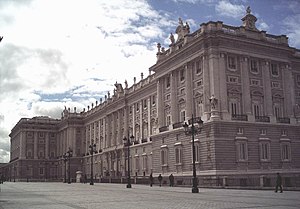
(248, 10)
(213, 102)
(172, 38)
(126, 84)
(182, 30)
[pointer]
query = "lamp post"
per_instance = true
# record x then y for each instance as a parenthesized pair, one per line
(191, 130)
(127, 142)
(92, 149)
(65, 161)
(69, 154)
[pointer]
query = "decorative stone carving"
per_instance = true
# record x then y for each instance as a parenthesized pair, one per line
(182, 30)
(249, 20)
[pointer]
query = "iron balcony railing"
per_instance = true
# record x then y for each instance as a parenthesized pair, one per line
(240, 117)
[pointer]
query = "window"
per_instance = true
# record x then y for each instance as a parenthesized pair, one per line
(168, 83)
(265, 151)
(232, 79)
(285, 151)
(41, 171)
(276, 85)
(298, 80)
(263, 131)
(256, 110)
(277, 111)
(137, 162)
(242, 151)
(255, 82)
(199, 67)
(41, 134)
(145, 162)
(178, 155)
(274, 70)
(182, 77)
(182, 115)
(234, 108)
(283, 132)
(254, 66)
(240, 130)
(168, 120)
(231, 62)
(164, 157)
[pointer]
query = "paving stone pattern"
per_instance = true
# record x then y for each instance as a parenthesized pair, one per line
(23, 195)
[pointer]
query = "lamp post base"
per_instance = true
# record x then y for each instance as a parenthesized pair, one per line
(195, 190)
(128, 186)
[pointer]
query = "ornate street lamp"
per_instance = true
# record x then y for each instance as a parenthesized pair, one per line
(69, 154)
(127, 142)
(65, 158)
(92, 150)
(191, 130)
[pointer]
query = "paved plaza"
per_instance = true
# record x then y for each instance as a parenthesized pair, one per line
(23, 195)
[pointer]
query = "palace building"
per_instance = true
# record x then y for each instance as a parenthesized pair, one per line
(242, 82)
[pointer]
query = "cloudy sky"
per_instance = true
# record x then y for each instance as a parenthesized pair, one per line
(58, 53)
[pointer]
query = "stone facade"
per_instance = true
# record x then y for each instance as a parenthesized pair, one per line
(242, 82)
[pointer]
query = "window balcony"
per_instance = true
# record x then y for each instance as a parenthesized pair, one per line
(283, 120)
(177, 125)
(239, 117)
(265, 119)
(163, 128)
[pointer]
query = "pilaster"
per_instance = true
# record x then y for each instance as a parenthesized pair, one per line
(160, 104)
(189, 93)
(267, 89)
(174, 105)
(35, 145)
(47, 145)
(246, 98)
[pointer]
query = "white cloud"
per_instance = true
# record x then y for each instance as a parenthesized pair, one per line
(73, 50)
(291, 26)
(225, 8)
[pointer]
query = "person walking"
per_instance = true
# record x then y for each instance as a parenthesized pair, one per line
(160, 179)
(171, 179)
(151, 180)
(278, 183)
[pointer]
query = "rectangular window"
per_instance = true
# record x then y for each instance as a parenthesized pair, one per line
(168, 120)
(145, 163)
(255, 82)
(178, 155)
(242, 151)
(41, 171)
(164, 157)
(298, 80)
(182, 77)
(240, 130)
(263, 131)
(168, 82)
(285, 151)
(256, 110)
(234, 108)
(182, 115)
(198, 67)
(277, 111)
(232, 79)
(274, 70)
(153, 100)
(231, 62)
(254, 66)
(137, 162)
(265, 151)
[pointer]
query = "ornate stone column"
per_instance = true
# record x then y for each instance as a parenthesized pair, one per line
(268, 106)
(47, 145)
(35, 145)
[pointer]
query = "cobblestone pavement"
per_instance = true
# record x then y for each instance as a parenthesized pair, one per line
(23, 195)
